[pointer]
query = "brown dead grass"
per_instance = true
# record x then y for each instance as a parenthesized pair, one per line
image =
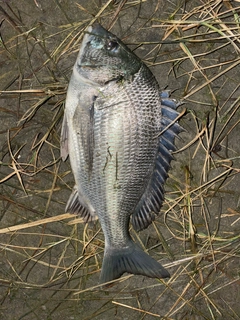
(199, 230)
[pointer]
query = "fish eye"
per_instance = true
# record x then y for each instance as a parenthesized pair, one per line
(112, 45)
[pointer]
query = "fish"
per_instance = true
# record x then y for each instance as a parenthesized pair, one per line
(118, 131)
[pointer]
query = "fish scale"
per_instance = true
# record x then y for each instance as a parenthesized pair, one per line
(106, 130)
(113, 119)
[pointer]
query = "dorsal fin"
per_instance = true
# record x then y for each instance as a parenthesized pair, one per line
(153, 197)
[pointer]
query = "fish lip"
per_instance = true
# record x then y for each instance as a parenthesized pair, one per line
(93, 32)
(98, 30)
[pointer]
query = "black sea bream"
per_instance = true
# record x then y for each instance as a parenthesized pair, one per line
(112, 126)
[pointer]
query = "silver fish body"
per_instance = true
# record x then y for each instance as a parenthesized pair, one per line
(113, 118)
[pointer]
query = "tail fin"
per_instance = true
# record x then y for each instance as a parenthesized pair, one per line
(130, 259)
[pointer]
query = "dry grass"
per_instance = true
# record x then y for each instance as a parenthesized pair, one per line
(49, 262)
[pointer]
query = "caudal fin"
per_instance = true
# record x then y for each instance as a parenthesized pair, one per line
(130, 259)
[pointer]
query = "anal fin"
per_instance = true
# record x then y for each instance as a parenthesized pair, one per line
(77, 204)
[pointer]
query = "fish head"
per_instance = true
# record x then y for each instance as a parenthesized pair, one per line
(104, 58)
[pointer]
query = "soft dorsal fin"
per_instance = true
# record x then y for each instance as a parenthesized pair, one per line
(153, 197)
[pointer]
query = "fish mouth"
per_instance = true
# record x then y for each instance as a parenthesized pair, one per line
(97, 30)
(95, 35)
(89, 65)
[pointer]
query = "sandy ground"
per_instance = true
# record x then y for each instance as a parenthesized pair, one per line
(50, 269)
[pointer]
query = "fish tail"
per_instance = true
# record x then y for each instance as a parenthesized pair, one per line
(130, 259)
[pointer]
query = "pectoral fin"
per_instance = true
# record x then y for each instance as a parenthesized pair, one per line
(64, 139)
(83, 122)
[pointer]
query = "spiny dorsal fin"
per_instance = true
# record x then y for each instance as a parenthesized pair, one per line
(151, 201)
